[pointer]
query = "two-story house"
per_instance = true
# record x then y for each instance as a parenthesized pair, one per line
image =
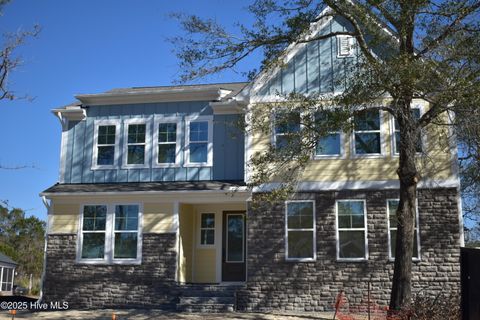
(151, 205)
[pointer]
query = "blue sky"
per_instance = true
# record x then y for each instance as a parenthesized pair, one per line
(84, 47)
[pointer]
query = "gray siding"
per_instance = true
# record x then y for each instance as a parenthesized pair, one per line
(315, 68)
(228, 146)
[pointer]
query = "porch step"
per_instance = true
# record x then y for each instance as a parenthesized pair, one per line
(207, 298)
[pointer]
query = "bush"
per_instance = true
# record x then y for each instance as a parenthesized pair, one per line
(440, 307)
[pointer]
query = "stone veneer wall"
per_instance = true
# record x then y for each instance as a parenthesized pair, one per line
(151, 284)
(274, 283)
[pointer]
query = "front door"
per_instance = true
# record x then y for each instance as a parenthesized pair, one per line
(233, 246)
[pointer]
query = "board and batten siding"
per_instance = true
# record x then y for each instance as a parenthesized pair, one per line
(228, 146)
(315, 68)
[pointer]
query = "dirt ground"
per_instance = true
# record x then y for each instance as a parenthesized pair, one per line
(157, 314)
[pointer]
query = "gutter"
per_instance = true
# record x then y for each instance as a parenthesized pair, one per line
(47, 230)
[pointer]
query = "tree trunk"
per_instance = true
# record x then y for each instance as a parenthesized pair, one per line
(407, 172)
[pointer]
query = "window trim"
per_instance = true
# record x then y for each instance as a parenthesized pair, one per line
(392, 133)
(198, 118)
(199, 243)
(109, 235)
(331, 156)
(382, 139)
(126, 124)
(314, 229)
(417, 220)
(273, 124)
(365, 231)
(351, 46)
(178, 147)
(97, 124)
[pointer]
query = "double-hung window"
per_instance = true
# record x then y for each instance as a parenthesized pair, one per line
(300, 229)
(396, 133)
(199, 138)
(136, 142)
(207, 229)
(330, 144)
(286, 129)
(351, 230)
(105, 144)
(110, 234)
(367, 138)
(392, 205)
(167, 142)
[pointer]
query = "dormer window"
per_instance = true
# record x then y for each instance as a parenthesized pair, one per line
(345, 46)
(106, 139)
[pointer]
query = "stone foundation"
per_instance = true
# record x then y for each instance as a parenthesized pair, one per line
(274, 283)
(151, 284)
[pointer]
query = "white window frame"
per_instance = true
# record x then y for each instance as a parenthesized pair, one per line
(364, 229)
(110, 235)
(351, 51)
(97, 124)
(332, 156)
(392, 132)
(178, 148)
(209, 120)
(2, 270)
(389, 228)
(382, 142)
(314, 229)
(274, 135)
(200, 244)
(126, 124)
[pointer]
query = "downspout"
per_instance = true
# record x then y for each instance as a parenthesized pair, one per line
(47, 231)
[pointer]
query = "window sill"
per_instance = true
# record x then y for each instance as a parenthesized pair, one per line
(300, 259)
(368, 156)
(413, 259)
(105, 168)
(166, 165)
(135, 166)
(352, 259)
(327, 157)
(197, 165)
(105, 262)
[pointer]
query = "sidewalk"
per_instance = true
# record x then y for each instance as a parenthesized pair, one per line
(163, 315)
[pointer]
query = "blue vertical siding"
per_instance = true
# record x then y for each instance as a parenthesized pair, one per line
(315, 68)
(227, 153)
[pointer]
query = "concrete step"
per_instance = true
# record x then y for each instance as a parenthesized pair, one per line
(208, 308)
(207, 300)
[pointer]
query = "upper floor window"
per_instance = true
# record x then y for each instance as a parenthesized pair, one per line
(330, 144)
(345, 45)
(286, 126)
(110, 233)
(167, 142)
(392, 205)
(416, 112)
(105, 143)
(199, 138)
(367, 140)
(351, 230)
(136, 142)
(300, 230)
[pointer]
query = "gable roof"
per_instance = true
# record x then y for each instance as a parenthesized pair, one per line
(7, 260)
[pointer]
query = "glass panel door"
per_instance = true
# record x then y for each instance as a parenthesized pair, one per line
(235, 242)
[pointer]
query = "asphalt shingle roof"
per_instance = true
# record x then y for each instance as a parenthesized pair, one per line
(6, 259)
(145, 186)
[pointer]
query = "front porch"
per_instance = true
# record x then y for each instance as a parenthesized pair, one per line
(211, 243)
